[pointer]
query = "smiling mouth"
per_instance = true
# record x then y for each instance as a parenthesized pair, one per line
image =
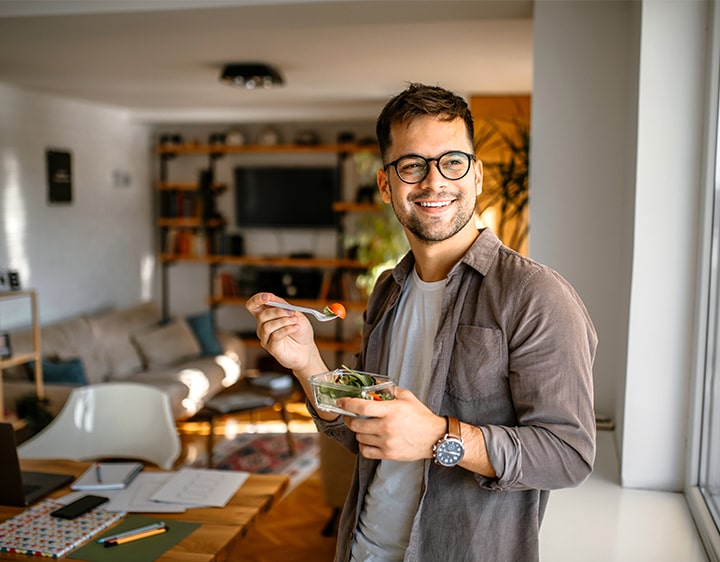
(434, 204)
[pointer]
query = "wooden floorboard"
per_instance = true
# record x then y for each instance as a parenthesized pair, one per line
(292, 530)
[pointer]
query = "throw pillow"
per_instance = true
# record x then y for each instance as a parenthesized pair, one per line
(69, 371)
(202, 327)
(167, 345)
(113, 331)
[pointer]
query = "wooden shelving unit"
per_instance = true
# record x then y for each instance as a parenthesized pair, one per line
(27, 357)
(264, 149)
(334, 270)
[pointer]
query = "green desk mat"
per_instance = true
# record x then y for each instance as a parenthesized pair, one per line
(143, 550)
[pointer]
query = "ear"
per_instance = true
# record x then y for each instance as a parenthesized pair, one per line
(383, 185)
(478, 177)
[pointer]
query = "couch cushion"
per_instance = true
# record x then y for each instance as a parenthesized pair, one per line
(74, 339)
(113, 331)
(70, 371)
(67, 339)
(175, 389)
(167, 345)
(189, 384)
(204, 330)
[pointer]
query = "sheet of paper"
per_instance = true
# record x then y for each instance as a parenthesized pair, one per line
(201, 487)
(136, 497)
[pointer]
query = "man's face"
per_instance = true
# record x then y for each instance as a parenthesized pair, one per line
(436, 208)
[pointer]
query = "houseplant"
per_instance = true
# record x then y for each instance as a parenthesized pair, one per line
(506, 182)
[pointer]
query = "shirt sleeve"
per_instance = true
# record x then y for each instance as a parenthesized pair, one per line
(551, 348)
(334, 429)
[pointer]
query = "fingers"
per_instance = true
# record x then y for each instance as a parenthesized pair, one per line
(256, 304)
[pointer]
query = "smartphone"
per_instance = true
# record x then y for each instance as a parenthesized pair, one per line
(78, 507)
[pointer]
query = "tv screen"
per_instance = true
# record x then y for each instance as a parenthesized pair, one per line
(285, 197)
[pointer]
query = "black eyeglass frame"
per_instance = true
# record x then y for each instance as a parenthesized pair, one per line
(394, 163)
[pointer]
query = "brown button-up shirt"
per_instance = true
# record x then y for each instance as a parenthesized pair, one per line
(513, 355)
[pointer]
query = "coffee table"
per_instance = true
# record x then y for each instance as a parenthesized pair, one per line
(244, 397)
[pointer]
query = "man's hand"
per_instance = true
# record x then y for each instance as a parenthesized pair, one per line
(288, 336)
(403, 429)
(285, 334)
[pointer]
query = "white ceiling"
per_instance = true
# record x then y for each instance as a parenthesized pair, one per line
(161, 59)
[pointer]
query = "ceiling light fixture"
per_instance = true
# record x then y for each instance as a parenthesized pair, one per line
(251, 75)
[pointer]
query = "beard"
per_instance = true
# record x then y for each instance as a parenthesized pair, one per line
(432, 230)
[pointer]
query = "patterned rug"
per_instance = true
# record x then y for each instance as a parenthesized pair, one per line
(268, 453)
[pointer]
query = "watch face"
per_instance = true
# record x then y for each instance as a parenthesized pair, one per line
(449, 452)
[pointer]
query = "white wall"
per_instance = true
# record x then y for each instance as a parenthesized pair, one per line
(617, 127)
(664, 279)
(97, 251)
(581, 207)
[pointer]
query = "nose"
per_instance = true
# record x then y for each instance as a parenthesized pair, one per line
(433, 174)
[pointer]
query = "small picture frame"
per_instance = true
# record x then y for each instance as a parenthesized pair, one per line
(13, 277)
(5, 347)
(59, 176)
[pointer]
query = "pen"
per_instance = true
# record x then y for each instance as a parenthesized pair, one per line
(133, 532)
(98, 473)
(137, 536)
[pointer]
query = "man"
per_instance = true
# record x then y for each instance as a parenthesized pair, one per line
(492, 353)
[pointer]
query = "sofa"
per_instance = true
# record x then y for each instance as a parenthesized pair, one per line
(185, 357)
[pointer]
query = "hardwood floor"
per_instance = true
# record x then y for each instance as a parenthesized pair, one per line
(292, 530)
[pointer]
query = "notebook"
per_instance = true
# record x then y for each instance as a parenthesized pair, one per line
(18, 487)
(37, 533)
(108, 476)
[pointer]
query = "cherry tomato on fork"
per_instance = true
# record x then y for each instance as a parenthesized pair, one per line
(338, 310)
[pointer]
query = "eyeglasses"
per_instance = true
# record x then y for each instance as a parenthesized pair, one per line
(452, 165)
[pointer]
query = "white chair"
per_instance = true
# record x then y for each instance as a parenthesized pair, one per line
(111, 421)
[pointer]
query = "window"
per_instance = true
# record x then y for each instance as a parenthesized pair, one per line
(703, 491)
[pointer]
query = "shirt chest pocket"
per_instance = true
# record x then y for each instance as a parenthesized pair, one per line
(478, 369)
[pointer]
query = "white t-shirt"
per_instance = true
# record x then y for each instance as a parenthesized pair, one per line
(394, 494)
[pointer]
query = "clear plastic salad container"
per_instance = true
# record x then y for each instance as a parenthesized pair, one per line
(328, 387)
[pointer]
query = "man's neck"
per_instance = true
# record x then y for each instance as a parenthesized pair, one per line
(433, 261)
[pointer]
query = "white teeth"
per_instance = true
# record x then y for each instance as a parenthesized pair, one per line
(434, 204)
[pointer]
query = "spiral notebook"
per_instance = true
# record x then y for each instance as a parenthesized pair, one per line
(37, 533)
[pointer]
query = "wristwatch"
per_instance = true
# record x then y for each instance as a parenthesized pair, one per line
(449, 450)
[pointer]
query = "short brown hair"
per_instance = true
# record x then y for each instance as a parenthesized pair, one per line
(420, 100)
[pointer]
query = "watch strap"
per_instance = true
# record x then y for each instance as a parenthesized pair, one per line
(453, 427)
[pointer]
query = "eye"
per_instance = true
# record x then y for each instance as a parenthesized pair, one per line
(411, 166)
(455, 160)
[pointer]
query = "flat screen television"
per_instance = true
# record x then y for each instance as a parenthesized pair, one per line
(285, 197)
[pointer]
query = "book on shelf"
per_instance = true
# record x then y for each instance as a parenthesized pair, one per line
(180, 204)
(35, 532)
(225, 285)
(326, 285)
(184, 242)
(219, 243)
(170, 242)
(108, 476)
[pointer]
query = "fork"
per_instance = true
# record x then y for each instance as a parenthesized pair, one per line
(321, 316)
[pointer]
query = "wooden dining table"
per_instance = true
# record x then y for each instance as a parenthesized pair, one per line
(221, 528)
